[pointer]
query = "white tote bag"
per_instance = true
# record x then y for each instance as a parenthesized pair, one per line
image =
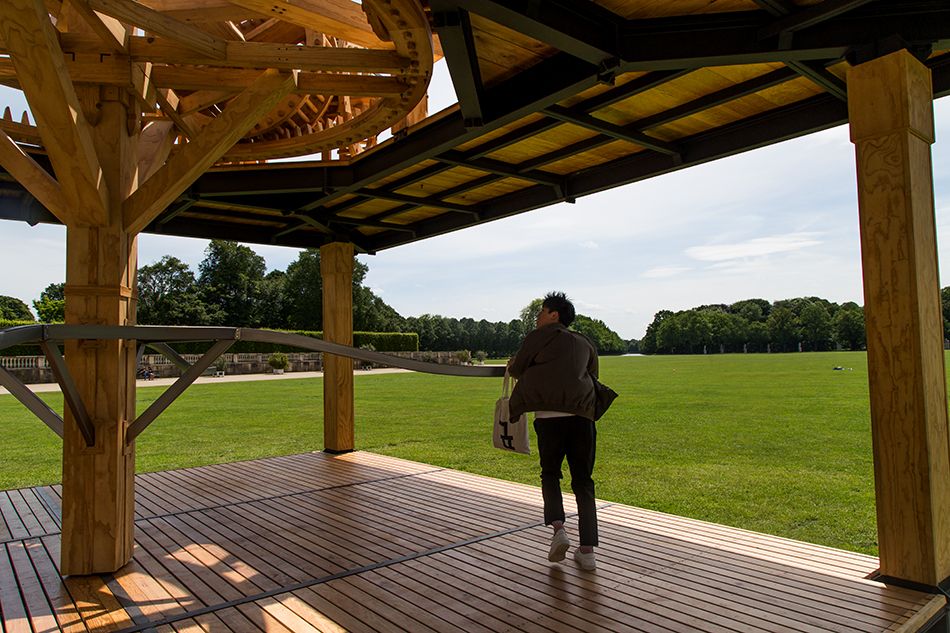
(510, 435)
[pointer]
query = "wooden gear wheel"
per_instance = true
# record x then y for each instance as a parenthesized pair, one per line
(357, 72)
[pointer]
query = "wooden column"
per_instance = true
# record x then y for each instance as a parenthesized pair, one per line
(98, 481)
(336, 266)
(891, 112)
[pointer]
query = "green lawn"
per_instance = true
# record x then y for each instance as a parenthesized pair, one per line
(773, 443)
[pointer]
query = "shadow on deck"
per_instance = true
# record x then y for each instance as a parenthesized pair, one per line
(361, 542)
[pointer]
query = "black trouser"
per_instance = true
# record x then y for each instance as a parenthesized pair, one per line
(573, 437)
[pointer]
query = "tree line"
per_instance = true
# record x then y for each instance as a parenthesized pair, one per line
(232, 288)
(755, 325)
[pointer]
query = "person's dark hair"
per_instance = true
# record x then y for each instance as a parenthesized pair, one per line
(558, 302)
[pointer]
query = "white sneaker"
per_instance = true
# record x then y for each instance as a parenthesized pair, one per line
(559, 546)
(587, 562)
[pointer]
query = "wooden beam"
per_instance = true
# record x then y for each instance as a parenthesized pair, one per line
(151, 21)
(238, 79)
(336, 267)
(41, 69)
(154, 145)
(169, 101)
(34, 178)
(891, 117)
(208, 146)
(281, 56)
(205, 11)
(114, 34)
(341, 18)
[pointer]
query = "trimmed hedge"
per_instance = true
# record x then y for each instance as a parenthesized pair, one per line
(381, 341)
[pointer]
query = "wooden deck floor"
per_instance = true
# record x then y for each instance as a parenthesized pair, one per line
(361, 542)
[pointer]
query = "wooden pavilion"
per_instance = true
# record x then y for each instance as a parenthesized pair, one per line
(162, 116)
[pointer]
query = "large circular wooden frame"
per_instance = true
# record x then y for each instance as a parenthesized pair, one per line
(407, 27)
(310, 123)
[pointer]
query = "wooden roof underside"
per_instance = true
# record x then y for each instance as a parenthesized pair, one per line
(559, 99)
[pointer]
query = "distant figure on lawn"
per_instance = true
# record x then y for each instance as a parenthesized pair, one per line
(554, 368)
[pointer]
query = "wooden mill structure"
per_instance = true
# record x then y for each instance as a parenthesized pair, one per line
(161, 116)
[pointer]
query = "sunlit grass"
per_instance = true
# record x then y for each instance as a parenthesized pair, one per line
(773, 443)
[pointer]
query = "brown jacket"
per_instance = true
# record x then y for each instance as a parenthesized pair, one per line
(554, 368)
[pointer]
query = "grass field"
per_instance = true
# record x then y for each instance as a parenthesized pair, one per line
(776, 443)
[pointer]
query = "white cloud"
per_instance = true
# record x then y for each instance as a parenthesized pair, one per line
(755, 247)
(589, 244)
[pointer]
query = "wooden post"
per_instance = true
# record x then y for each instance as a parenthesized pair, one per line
(98, 481)
(336, 266)
(890, 102)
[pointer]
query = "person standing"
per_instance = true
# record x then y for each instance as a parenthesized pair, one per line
(555, 368)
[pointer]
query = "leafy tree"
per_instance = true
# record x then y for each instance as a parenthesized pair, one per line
(750, 313)
(304, 291)
(606, 340)
(783, 327)
(273, 303)
(695, 328)
(758, 336)
(168, 295)
(51, 306)
(945, 302)
(796, 306)
(816, 325)
(649, 345)
(12, 309)
(728, 330)
(849, 327)
(713, 308)
(529, 315)
(669, 336)
(54, 292)
(229, 279)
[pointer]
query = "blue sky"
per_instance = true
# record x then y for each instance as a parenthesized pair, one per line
(775, 223)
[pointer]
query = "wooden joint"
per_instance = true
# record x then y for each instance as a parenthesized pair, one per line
(100, 291)
(99, 447)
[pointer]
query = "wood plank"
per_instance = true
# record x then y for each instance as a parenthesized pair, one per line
(12, 610)
(45, 561)
(317, 514)
(14, 525)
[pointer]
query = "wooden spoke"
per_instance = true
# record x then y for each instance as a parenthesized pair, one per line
(345, 94)
(36, 180)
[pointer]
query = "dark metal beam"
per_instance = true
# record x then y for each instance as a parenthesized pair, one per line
(177, 207)
(802, 118)
(31, 401)
(617, 132)
(820, 76)
(632, 88)
(71, 394)
(777, 7)
(713, 99)
(811, 16)
(502, 169)
(430, 201)
(579, 28)
(458, 45)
